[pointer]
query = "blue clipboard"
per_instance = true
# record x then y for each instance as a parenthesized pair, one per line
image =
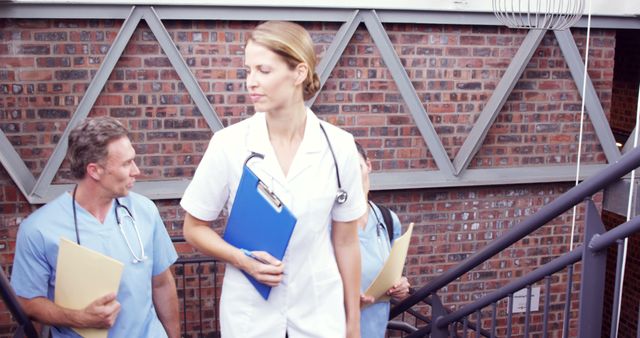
(258, 221)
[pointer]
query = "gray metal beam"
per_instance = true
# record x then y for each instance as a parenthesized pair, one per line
(180, 66)
(592, 279)
(155, 190)
(335, 50)
(253, 13)
(592, 103)
(408, 92)
(172, 189)
(88, 100)
(475, 177)
(438, 17)
(489, 19)
(628, 146)
(64, 11)
(610, 22)
(616, 197)
(189, 12)
(476, 137)
(14, 165)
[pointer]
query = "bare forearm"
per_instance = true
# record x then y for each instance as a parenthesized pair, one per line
(199, 234)
(165, 300)
(45, 311)
(348, 259)
(346, 246)
(100, 314)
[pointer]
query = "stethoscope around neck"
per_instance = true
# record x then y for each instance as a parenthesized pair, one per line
(341, 194)
(380, 226)
(119, 221)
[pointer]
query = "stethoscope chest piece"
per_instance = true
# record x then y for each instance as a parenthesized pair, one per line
(341, 196)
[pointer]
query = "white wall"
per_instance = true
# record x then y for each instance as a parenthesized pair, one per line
(598, 7)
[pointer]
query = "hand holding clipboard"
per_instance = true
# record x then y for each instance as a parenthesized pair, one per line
(391, 271)
(258, 221)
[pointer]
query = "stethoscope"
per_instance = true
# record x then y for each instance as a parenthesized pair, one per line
(119, 220)
(379, 226)
(341, 194)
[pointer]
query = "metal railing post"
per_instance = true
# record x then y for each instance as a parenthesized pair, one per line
(593, 276)
(437, 311)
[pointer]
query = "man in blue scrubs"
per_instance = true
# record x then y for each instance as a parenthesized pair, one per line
(102, 214)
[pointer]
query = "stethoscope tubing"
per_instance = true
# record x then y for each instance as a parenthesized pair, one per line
(137, 259)
(380, 225)
(341, 194)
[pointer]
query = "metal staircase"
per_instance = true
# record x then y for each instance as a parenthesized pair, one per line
(484, 315)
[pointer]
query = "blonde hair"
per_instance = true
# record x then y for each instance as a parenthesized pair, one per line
(293, 43)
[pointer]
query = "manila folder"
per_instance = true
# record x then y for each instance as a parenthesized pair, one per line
(82, 276)
(391, 271)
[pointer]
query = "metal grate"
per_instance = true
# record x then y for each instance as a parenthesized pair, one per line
(538, 14)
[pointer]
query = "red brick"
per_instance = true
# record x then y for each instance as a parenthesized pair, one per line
(39, 75)
(16, 61)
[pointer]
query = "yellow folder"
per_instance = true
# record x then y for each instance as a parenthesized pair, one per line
(391, 272)
(82, 276)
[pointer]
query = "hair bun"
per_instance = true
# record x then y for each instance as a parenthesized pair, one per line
(311, 87)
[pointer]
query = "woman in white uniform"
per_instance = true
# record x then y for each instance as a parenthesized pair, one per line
(315, 288)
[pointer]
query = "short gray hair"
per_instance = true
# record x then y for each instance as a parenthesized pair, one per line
(89, 140)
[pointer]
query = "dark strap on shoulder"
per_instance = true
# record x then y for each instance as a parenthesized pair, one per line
(387, 219)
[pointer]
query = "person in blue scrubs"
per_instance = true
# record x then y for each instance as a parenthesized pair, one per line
(101, 158)
(375, 246)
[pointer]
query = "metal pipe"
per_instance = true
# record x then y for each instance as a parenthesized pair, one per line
(601, 242)
(527, 312)
(567, 305)
(615, 315)
(494, 309)
(510, 315)
(547, 300)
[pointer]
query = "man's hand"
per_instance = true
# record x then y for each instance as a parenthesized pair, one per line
(102, 312)
(399, 290)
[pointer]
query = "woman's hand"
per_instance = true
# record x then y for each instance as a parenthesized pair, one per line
(399, 290)
(264, 268)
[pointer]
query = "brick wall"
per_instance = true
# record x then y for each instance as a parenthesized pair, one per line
(46, 65)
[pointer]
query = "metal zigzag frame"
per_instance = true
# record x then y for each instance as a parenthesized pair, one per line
(449, 173)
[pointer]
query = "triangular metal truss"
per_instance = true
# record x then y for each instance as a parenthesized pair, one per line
(449, 173)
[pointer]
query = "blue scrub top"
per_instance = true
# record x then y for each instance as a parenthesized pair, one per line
(34, 267)
(374, 250)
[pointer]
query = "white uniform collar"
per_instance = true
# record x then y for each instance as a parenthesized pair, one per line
(312, 142)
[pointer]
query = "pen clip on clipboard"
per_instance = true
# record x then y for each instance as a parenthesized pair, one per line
(269, 195)
(263, 189)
